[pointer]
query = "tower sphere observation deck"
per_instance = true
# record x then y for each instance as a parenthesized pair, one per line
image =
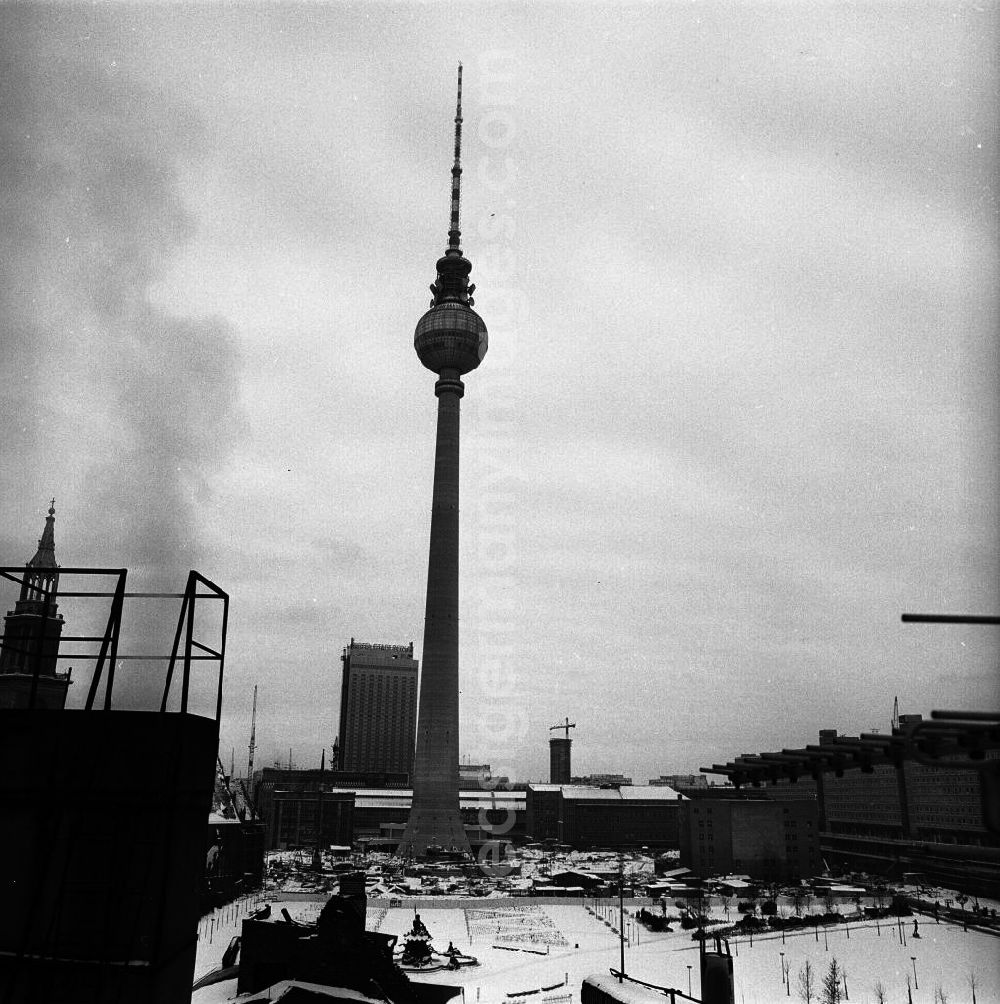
(451, 336)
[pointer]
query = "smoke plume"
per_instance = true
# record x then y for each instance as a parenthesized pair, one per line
(119, 408)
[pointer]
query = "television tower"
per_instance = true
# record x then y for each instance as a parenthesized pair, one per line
(451, 340)
(252, 748)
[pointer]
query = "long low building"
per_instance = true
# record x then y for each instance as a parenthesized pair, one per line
(377, 814)
(585, 816)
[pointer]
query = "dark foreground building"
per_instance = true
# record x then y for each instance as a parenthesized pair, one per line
(101, 870)
(337, 951)
(715, 985)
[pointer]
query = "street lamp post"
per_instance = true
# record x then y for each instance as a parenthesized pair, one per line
(621, 914)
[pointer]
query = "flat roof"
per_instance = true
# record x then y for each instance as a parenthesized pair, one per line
(626, 793)
(401, 799)
(626, 992)
(466, 794)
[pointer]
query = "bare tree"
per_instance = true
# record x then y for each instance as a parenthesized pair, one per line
(807, 983)
(832, 992)
(973, 983)
(880, 891)
(879, 991)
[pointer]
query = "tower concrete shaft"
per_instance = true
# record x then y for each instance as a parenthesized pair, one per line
(450, 339)
(435, 819)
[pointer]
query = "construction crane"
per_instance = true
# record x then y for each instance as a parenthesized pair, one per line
(567, 725)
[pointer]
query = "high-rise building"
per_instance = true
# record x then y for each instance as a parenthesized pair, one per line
(559, 753)
(29, 649)
(378, 708)
(559, 760)
(450, 340)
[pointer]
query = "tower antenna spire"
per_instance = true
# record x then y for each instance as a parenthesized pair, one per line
(454, 232)
(452, 283)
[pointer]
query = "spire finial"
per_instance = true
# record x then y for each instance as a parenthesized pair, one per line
(452, 283)
(45, 557)
(454, 233)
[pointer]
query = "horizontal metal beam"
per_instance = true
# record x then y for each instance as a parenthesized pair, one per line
(950, 619)
(968, 716)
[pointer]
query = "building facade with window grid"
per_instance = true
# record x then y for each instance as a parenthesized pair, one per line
(378, 708)
(760, 837)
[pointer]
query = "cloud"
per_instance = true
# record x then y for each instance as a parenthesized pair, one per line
(120, 408)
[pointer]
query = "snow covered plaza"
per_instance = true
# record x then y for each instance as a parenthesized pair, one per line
(543, 950)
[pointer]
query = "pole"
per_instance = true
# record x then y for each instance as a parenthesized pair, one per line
(621, 914)
(916, 985)
(689, 981)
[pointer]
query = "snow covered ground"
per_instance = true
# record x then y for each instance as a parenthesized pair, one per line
(579, 943)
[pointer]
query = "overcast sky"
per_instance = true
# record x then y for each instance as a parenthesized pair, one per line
(739, 263)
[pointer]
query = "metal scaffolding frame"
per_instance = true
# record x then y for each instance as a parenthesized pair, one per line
(186, 648)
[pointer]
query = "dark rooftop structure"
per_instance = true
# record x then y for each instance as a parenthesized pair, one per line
(101, 868)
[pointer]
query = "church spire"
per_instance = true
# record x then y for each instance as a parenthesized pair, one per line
(45, 556)
(452, 283)
(42, 572)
